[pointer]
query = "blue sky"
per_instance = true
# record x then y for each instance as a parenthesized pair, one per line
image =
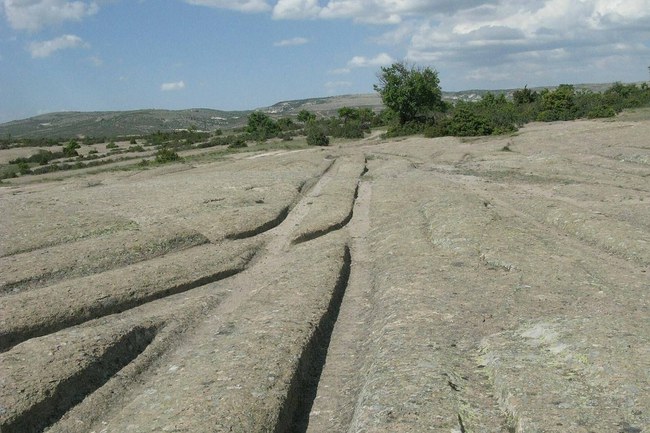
(82, 55)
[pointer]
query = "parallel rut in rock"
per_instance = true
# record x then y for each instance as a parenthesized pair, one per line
(294, 415)
(74, 389)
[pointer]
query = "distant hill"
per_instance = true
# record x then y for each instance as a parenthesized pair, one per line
(124, 123)
(139, 122)
(120, 123)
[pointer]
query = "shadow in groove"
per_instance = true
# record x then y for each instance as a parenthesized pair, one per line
(294, 415)
(75, 388)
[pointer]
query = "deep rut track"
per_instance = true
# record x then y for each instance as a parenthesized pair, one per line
(434, 285)
(275, 237)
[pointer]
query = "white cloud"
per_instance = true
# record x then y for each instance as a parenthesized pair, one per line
(291, 42)
(33, 15)
(369, 11)
(238, 5)
(296, 9)
(340, 71)
(364, 62)
(506, 41)
(96, 61)
(489, 39)
(167, 87)
(46, 48)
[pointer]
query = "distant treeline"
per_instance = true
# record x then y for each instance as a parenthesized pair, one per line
(190, 135)
(414, 100)
(414, 106)
(495, 114)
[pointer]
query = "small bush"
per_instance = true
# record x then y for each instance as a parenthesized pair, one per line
(439, 129)
(286, 136)
(42, 157)
(601, 112)
(466, 123)
(70, 149)
(48, 168)
(8, 172)
(316, 137)
(222, 141)
(237, 143)
(351, 129)
(111, 145)
(23, 168)
(166, 155)
(408, 128)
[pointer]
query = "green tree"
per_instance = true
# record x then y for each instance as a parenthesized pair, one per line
(23, 168)
(347, 114)
(286, 124)
(166, 155)
(366, 116)
(558, 104)
(305, 116)
(412, 93)
(316, 137)
(70, 149)
(261, 126)
(524, 96)
(466, 122)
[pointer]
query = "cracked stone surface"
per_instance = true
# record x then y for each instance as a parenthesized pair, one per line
(411, 285)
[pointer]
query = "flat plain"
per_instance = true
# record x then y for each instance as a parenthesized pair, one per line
(490, 284)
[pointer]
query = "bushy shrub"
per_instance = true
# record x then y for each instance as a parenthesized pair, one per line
(351, 129)
(287, 124)
(558, 104)
(261, 127)
(166, 155)
(305, 116)
(601, 112)
(70, 149)
(220, 141)
(49, 168)
(316, 137)
(111, 145)
(491, 115)
(465, 122)
(287, 136)
(408, 128)
(23, 168)
(438, 129)
(499, 113)
(42, 157)
(237, 143)
(524, 96)
(88, 140)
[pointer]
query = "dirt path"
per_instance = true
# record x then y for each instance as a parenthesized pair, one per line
(446, 285)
